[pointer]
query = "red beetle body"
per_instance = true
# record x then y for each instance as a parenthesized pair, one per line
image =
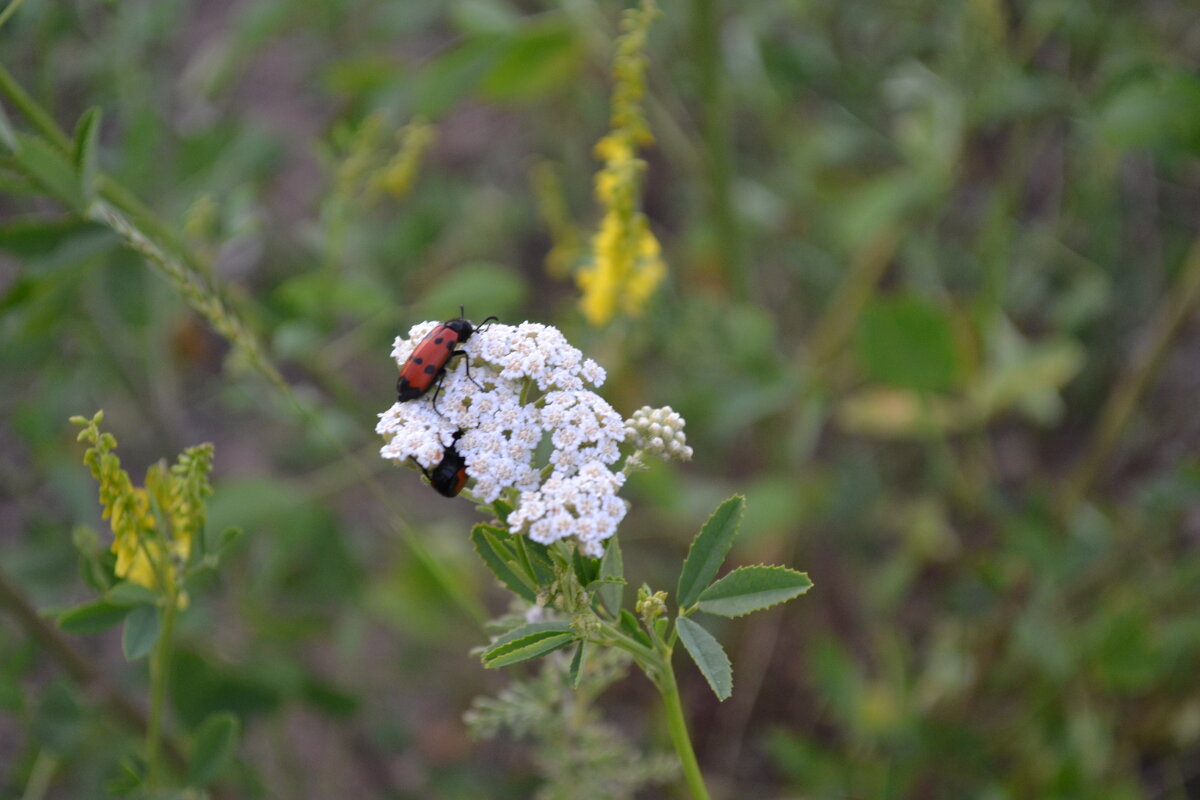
(450, 475)
(428, 361)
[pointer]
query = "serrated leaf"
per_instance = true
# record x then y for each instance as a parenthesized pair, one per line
(748, 589)
(215, 743)
(709, 656)
(708, 550)
(575, 675)
(528, 642)
(140, 633)
(86, 135)
(50, 170)
(93, 617)
(612, 572)
(126, 593)
(501, 561)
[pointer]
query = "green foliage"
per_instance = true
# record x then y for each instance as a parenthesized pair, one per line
(941, 337)
(214, 746)
(709, 656)
(748, 589)
(708, 550)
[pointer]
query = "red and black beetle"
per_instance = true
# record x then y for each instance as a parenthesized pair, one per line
(428, 361)
(450, 475)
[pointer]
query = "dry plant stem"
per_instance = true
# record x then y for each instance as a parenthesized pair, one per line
(78, 666)
(1127, 392)
(837, 323)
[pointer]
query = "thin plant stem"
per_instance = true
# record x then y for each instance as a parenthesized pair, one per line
(8, 11)
(160, 661)
(147, 234)
(82, 670)
(717, 143)
(677, 726)
(1127, 392)
(836, 325)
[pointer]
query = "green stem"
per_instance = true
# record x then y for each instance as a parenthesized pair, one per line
(159, 668)
(718, 143)
(679, 734)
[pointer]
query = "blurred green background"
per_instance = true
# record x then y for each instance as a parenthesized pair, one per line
(932, 277)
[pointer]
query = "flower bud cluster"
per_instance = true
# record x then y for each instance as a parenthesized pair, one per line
(659, 432)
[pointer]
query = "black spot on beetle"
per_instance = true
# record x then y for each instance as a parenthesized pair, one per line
(419, 360)
(438, 340)
(429, 370)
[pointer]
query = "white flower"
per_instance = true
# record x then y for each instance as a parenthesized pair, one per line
(584, 506)
(659, 432)
(526, 389)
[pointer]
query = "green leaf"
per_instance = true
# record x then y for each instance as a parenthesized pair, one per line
(501, 560)
(140, 633)
(87, 134)
(708, 550)
(539, 560)
(709, 656)
(39, 235)
(93, 617)
(612, 571)
(575, 675)
(215, 743)
(748, 589)
(126, 593)
(629, 623)
(8, 136)
(50, 170)
(908, 342)
(534, 62)
(528, 642)
(481, 287)
(453, 75)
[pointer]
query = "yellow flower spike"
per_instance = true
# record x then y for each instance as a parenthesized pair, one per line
(400, 172)
(146, 553)
(626, 265)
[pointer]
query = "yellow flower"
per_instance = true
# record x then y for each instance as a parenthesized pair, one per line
(147, 554)
(626, 264)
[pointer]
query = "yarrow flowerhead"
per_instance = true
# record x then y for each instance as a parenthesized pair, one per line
(528, 393)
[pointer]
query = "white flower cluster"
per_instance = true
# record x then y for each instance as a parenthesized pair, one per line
(584, 505)
(526, 381)
(658, 431)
